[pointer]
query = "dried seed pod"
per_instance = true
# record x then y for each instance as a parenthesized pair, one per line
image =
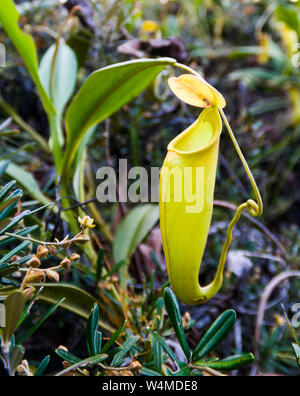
(35, 276)
(28, 293)
(82, 239)
(65, 263)
(75, 257)
(42, 252)
(34, 262)
(53, 275)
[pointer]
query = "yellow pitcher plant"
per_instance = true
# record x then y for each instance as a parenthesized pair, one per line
(187, 186)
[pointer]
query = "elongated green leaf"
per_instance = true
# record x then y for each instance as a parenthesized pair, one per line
(8, 187)
(83, 363)
(103, 93)
(42, 367)
(65, 75)
(149, 373)
(14, 305)
(173, 310)
(67, 356)
(215, 334)
(9, 18)
(60, 86)
(9, 204)
(14, 221)
(26, 180)
(15, 251)
(91, 331)
(296, 349)
(113, 338)
(126, 347)
(164, 345)
(230, 363)
(76, 300)
(158, 355)
(132, 231)
(40, 322)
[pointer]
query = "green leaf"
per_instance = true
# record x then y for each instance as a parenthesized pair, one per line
(173, 310)
(27, 181)
(163, 344)
(149, 373)
(65, 75)
(296, 349)
(158, 355)
(133, 230)
(14, 221)
(184, 370)
(126, 347)
(8, 187)
(76, 300)
(9, 18)
(230, 363)
(42, 367)
(14, 305)
(34, 328)
(67, 356)
(59, 87)
(113, 338)
(290, 16)
(92, 361)
(10, 204)
(215, 334)
(105, 92)
(14, 252)
(91, 331)
(16, 357)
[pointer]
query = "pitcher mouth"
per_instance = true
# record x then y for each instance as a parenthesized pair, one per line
(202, 134)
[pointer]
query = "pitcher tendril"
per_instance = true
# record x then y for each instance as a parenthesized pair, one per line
(185, 227)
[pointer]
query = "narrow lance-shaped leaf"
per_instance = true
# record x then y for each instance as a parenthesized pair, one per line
(230, 363)
(91, 331)
(215, 334)
(173, 310)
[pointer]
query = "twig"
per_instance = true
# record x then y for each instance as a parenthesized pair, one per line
(263, 304)
(209, 371)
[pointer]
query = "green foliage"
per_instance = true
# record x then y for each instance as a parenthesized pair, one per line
(132, 319)
(9, 18)
(133, 230)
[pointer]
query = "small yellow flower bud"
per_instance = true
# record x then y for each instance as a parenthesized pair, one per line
(53, 275)
(86, 222)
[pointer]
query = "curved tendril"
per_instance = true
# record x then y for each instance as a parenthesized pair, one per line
(254, 208)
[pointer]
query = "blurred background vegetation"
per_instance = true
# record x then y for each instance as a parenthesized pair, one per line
(249, 50)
